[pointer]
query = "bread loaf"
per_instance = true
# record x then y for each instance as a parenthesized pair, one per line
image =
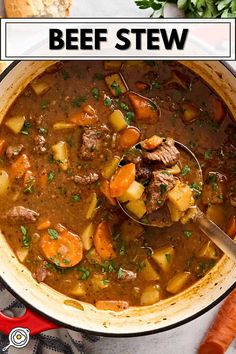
(37, 8)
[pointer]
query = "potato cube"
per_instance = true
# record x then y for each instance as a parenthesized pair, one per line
(190, 213)
(151, 294)
(116, 84)
(190, 112)
(175, 214)
(176, 284)
(110, 168)
(40, 87)
(148, 272)
(87, 237)
(93, 257)
(117, 120)
(79, 289)
(61, 154)
(181, 196)
(134, 192)
(92, 206)
(99, 281)
(131, 230)
(4, 182)
(137, 207)
(112, 65)
(15, 124)
(63, 125)
(174, 170)
(164, 257)
(22, 254)
(208, 251)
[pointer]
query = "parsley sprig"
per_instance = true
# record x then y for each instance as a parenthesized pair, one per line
(192, 8)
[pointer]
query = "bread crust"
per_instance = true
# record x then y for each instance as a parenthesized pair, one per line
(37, 8)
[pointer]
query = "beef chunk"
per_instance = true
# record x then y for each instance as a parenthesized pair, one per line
(13, 151)
(21, 214)
(86, 179)
(166, 153)
(143, 173)
(93, 140)
(157, 190)
(40, 144)
(41, 272)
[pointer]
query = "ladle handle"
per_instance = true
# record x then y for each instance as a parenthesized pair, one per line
(216, 235)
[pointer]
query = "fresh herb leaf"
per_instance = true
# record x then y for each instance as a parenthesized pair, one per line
(76, 198)
(78, 101)
(163, 188)
(98, 76)
(43, 131)
(116, 88)
(95, 93)
(26, 128)
(44, 104)
(85, 271)
(129, 117)
(185, 170)
(53, 234)
(25, 237)
(208, 154)
(51, 176)
(187, 234)
(107, 102)
(120, 273)
(168, 257)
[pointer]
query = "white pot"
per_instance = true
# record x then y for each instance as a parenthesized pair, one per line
(164, 315)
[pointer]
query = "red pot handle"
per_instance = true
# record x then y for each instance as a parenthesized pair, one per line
(35, 323)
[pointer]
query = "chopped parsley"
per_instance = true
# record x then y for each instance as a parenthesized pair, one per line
(85, 272)
(120, 273)
(107, 102)
(116, 88)
(98, 76)
(185, 170)
(208, 154)
(78, 101)
(43, 131)
(212, 180)
(95, 93)
(187, 234)
(65, 74)
(25, 236)
(196, 189)
(129, 117)
(26, 128)
(53, 234)
(168, 257)
(122, 105)
(156, 85)
(122, 250)
(76, 198)
(44, 104)
(51, 176)
(29, 188)
(163, 188)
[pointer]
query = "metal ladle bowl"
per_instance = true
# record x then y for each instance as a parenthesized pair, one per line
(161, 218)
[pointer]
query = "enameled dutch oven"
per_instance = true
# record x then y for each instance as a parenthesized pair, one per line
(46, 307)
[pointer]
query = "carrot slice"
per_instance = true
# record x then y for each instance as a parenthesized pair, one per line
(43, 179)
(105, 189)
(103, 241)
(88, 116)
(121, 181)
(65, 249)
(112, 305)
(231, 229)
(20, 166)
(145, 109)
(218, 110)
(2, 146)
(43, 224)
(152, 143)
(223, 330)
(128, 137)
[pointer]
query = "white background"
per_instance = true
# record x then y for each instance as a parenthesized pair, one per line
(184, 339)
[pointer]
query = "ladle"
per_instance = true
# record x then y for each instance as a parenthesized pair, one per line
(211, 230)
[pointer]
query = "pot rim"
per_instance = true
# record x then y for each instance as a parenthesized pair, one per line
(117, 335)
